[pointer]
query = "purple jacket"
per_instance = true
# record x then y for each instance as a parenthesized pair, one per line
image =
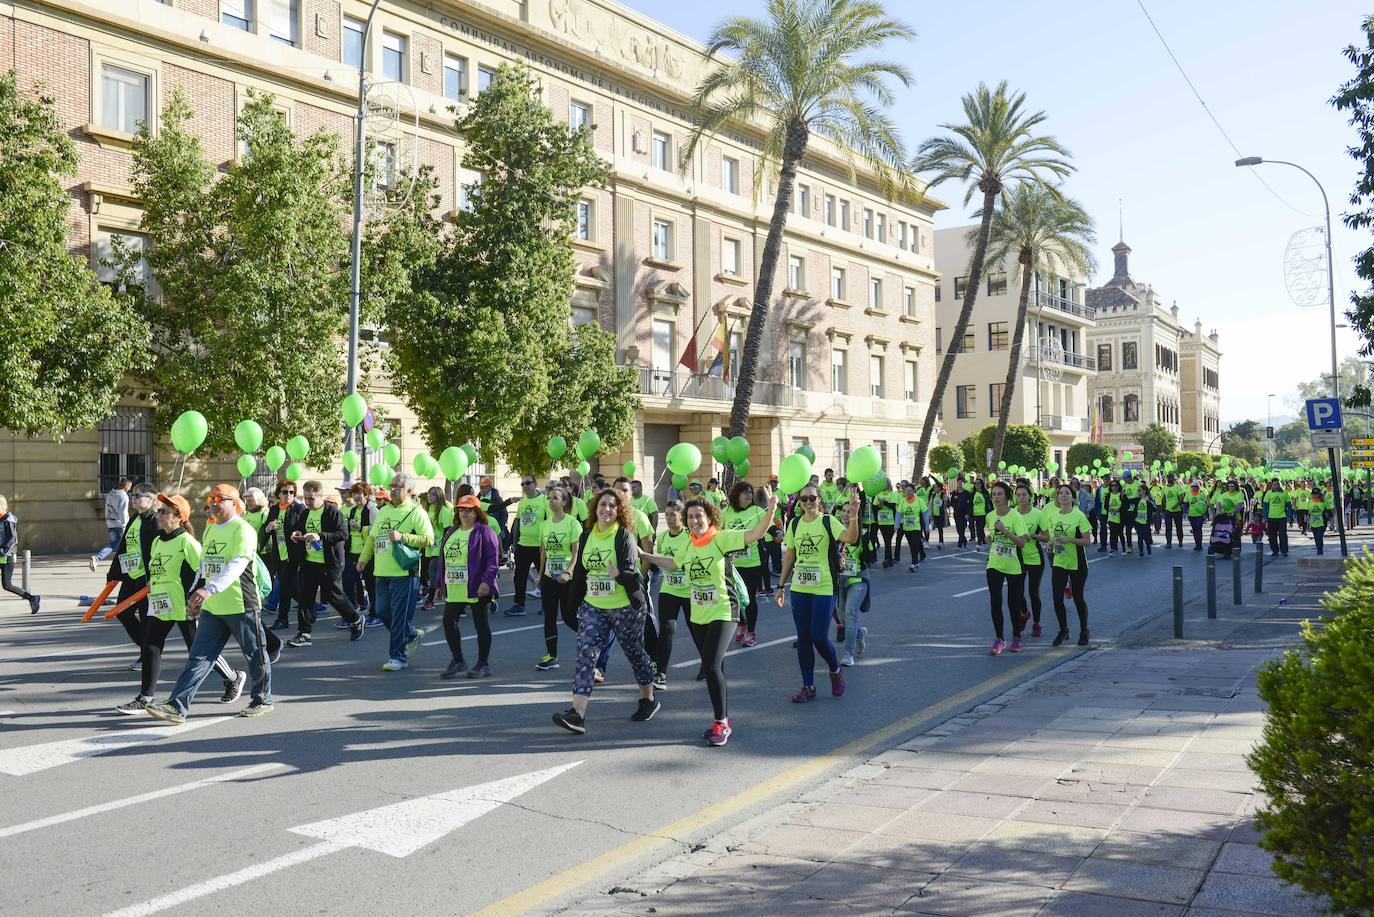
(484, 552)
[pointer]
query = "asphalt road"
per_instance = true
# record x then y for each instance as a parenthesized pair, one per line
(100, 812)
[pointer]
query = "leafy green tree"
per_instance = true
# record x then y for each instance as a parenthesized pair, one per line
(1193, 463)
(1026, 445)
(975, 459)
(65, 341)
(481, 349)
(945, 456)
(1044, 232)
(1082, 454)
(1357, 97)
(996, 146)
(1242, 440)
(251, 270)
(1158, 443)
(804, 69)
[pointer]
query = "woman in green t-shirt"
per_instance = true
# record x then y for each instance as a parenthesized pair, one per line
(1031, 560)
(980, 512)
(559, 533)
(1067, 532)
(675, 594)
(1007, 533)
(466, 568)
(741, 514)
(714, 597)
(440, 519)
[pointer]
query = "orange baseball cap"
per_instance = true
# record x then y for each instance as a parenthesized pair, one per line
(225, 492)
(468, 502)
(177, 503)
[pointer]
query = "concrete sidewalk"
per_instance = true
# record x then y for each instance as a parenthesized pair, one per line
(1115, 784)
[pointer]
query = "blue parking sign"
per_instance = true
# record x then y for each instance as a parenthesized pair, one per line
(1324, 413)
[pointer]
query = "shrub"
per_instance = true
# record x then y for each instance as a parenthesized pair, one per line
(1199, 463)
(1316, 761)
(1082, 455)
(944, 457)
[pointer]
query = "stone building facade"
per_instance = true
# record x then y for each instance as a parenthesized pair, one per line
(664, 254)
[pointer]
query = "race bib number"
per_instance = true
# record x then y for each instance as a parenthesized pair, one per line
(160, 603)
(704, 596)
(455, 576)
(599, 585)
(1057, 548)
(212, 566)
(555, 567)
(381, 540)
(527, 519)
(1004, 549)
(676, 579)
(850, 567)
(884, 517)
(131, 564)
(808, 575)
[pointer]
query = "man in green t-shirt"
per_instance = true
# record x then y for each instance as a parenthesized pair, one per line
(398, 587)
(830, 491)
(226, 590)
(531, 510)
(1275, 502)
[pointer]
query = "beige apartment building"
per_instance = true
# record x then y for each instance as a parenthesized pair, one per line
(664, 254)
(1150, 368)
(1056, 368)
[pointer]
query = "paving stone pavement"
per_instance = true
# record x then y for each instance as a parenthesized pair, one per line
(1115, 784)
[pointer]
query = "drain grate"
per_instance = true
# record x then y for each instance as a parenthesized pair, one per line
(1223, 693)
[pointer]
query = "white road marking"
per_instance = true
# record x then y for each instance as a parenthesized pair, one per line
(135, 800)
(396, 830)
(495, 633)
(960, 595)
(30, 759)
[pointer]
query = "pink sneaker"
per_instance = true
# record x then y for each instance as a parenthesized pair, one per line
(1036, 631)
(739, 633)
(750, 639)
(997, 646)
(837, 684)
(805, 696)
(1016, 644)
(719, 733)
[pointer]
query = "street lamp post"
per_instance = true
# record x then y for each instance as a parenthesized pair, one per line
(1332, 454)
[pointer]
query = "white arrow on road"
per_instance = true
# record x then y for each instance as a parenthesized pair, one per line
(30, 759)
(396, 830)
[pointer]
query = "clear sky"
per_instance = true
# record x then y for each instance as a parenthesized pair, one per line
(1203, 232)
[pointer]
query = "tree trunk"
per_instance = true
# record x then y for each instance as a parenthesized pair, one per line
(795, 147)
(1014, 361)
(990, 189)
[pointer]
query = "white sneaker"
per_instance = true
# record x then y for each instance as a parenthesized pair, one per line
(847, 659)
(93, 562)
(394, 665)
(859, 643)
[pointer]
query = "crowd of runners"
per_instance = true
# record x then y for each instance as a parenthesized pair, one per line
(610, 565)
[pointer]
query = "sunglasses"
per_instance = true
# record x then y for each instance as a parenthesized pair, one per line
(215, 500)
(288, 493)
(811, 498)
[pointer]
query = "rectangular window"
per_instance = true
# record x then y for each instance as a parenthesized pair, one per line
(485, 75)
(1064, 289)
(830, 210)
(455, 77)
(868, 223)
(875, 375)
(802, 199)
(839, 370)
(959, 284)
(844, 215)
(103, 254)
(966, 401)
(880, 447)
(729, 175)
(882, 227)
(662, 151)
(995, 398)
(583, 315)
(911, 380)
(997, 284)
(586, 219)
(1104, 357)
(841, 455)
(394, 49)
(937, 292)
(384, 162)
(1128, 355)
(663, 334)
(997, 336)
(663, 240)
(237, 14)
(1132, 405)
(466, 188)
(901, 235)
(126, 448)
(124, 99)
(875, 293)
(837, 283)
(282, 21)
(579, 116)
(353, 42)
(736, 347)
(729, 257)
(796, 363)
(909, 302)
(939, 347)
(796, 272)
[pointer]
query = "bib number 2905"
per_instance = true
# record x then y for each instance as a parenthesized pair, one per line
(808, 576)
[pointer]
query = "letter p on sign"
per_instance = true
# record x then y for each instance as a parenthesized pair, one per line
(1324, 414)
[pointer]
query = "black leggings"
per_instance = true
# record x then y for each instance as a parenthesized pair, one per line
(961, 526)
(1015, 600)
(132, 618)
(886, 532)
(1118, 536)
(712, 641)
(980, 529)
(913, 540)
(155, 631)
(525, 557)
(556, 599)
(1197, 522)
(753, 579)
(1173, 522)
(668, 607)
(481, 622)
(1034, 573)
(7, 581)
(1078, 579)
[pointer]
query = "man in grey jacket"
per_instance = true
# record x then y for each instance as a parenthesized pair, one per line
(116, 517)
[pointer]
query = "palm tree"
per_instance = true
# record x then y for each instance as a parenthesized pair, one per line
(997, 146)
(796, 72)
(1046, 232)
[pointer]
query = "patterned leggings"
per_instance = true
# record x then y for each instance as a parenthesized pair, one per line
(593, 625)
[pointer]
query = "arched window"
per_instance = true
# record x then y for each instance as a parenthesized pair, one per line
(1108, 412)
(1132, 411)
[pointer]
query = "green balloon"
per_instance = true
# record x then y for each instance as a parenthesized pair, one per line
(246, 465)
(738, 450)
(424, 465)
(1111, 459)
(1097, 463)
(680, 481)
(863, 464)
(1128, 456)
(806, 450)
(741, 468)
(1001, 466)
(294, 471)
(392, 453)
(248, 435)
(584, 468)
(377, 474)
(557, 447)
(589, 443)
(274, 457)
(354, 409)
(471, 452)
(720, 449)
(953, 472)
(350, 462)
(1051, 467)
(629, 469)
(684, 458)
(453, 462)
(376, 439)
(188, 431)
(298, 447)
(794, 473)
(877, 484)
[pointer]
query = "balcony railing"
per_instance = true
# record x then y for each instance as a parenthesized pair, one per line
(1061, 423)
(666, 383)
(1040, 300)
(1063, 358)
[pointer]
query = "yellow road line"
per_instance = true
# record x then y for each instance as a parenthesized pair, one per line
(597, 867)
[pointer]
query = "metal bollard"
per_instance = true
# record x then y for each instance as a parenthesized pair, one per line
(1178, 601)
(25, 575)
(1235, 576)
(1211, 586)
(1259, 568)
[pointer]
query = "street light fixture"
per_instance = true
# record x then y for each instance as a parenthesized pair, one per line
(1331, 300)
